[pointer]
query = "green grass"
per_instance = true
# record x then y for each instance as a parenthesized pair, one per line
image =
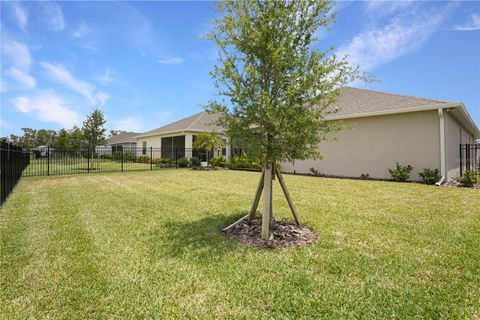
(74, 165)
(147, 245)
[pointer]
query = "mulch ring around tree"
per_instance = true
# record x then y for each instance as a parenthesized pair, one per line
(284, 234)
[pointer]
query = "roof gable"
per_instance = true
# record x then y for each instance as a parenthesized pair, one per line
(202, 121)
(354, 101)
(122, 137)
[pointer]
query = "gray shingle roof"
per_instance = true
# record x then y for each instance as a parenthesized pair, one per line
(122, 137)
(202, 121)
(353, 101)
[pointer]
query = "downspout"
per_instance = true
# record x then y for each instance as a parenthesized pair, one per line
(442, 147)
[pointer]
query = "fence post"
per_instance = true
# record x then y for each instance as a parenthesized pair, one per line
(461, 162)
(151, 158)
(122, 159)
(48, 161)
(88, 160)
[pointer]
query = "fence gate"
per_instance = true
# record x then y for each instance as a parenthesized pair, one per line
(469, 158)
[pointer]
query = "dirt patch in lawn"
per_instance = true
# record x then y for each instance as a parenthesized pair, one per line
(284, 234)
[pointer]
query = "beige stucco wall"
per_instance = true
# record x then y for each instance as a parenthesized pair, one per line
(373, 144)
(455, 134)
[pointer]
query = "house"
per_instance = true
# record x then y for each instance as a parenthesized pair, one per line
(382, 128)
(176, 139)
(123, 140)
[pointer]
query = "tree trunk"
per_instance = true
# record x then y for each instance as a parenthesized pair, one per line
(267, 201)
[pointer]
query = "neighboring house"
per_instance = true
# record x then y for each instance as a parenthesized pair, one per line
(176, 139)
(123, 140)
(383, 129)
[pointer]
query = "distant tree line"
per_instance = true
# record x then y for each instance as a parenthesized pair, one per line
(91, 134)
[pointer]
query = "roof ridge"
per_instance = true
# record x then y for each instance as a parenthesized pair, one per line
(201, 114)
(401, 95)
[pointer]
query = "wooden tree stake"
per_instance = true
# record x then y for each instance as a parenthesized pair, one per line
(258, 194)
(267, 201)
(287, 195)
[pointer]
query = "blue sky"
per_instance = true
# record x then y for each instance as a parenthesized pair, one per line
(144, 64)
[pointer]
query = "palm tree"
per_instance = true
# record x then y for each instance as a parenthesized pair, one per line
(208, 141)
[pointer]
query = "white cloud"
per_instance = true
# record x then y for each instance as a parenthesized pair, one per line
(58, 73)
(48, 107)
(127, 124)
(3, 86)
(403, 35)
(18, 54)
(81, 31)
(20, 15)
(107, 77)
(53, 15)
(473, 23)
(383, 8)
(23, 78)
(19, 60)
(101, 98)
(171, 60)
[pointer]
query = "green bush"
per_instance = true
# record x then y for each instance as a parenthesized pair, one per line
(243, 162)
(164, 162)
(128, 156)
(145, 159)
(195, 162)
(469, 179)
(117, 156)
(365, 176)
(430, 176)
(183, 162)
(218, 162)
(400, 173)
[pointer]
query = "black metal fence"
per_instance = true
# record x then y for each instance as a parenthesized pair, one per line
(13, 161)
(50, 161)
(469, 158)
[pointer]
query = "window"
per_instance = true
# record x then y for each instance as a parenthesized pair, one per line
(144, 147)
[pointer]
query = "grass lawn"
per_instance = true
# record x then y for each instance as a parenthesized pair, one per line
(74, 165)
(147, 245)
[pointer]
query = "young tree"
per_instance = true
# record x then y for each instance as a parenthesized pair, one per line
(94, 128)
(208, 141)
(45, 137)
(62, 140)
(29, 138)
(69, 139)
(277, 85)
(76, 139)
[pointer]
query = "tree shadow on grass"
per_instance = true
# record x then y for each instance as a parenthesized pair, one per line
(198, 240)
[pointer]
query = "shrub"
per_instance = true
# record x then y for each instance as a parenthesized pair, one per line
(469, 179)
(183, 162)
(218, 162)
(145, 159)
(117, 156)
(400, 173)
(314, 171)
(128, 156)
(195, 162)
(430, 176)
(164, 162)
(365, 176)
(243, 162)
